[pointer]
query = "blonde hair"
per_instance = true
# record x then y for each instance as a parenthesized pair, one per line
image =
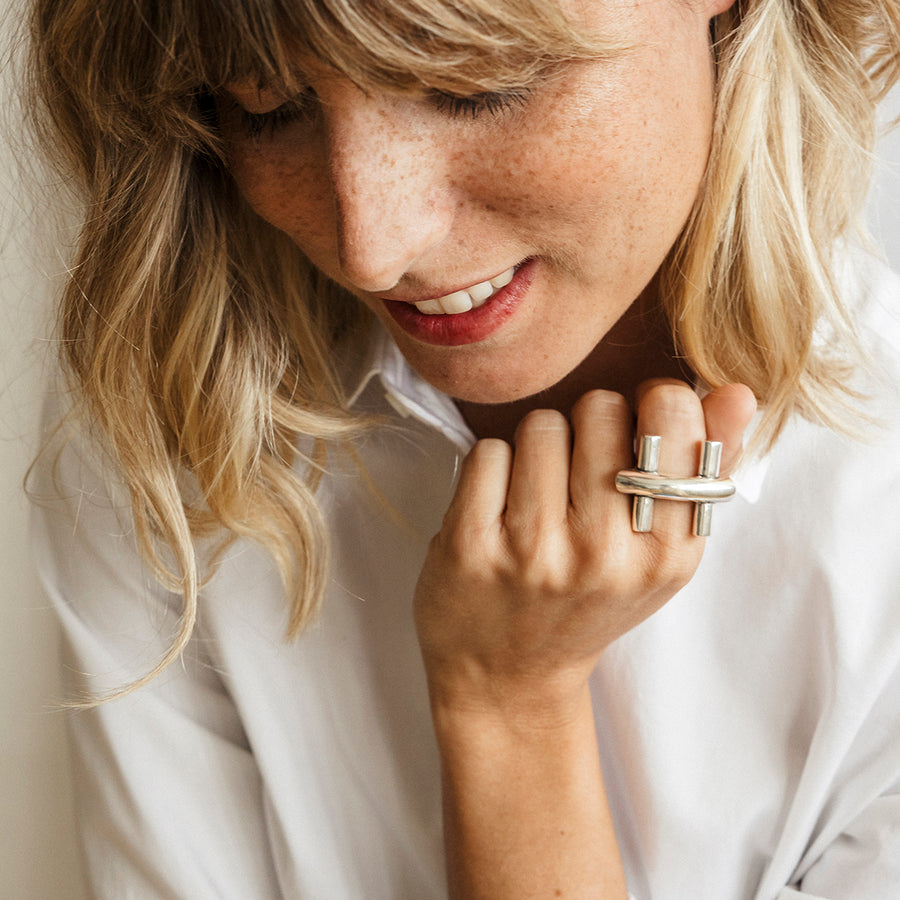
(201, 340)
(751, 283)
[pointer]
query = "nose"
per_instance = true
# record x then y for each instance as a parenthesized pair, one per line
(392, 195)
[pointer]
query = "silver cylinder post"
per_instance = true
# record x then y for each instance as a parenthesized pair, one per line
(710, 461)
(648, 461)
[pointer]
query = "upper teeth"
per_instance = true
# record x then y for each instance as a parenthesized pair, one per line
(471, 298)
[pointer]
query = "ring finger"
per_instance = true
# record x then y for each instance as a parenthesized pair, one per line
(672, 410)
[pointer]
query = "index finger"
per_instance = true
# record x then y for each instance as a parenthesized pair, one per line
(480, 496)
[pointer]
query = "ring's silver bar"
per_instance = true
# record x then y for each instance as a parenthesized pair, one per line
(663, 487)
(645, 484)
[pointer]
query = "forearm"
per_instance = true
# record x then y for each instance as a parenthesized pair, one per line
(525, 812)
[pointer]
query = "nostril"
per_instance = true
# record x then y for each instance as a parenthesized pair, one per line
(371, 263)
(379, 241)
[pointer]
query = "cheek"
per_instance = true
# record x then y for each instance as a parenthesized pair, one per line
(623, 168)
(285, 188)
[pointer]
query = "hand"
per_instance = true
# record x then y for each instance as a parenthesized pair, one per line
(536, 570)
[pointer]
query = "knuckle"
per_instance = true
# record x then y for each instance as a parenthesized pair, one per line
(454, 544)
(600, 406)
(542, 420)
(603, 555)
(462, 543)
(486, 456)
(525, 539)
(465, 547)
(534, 523)
(676, 400)
(536, 556)
(488, 450)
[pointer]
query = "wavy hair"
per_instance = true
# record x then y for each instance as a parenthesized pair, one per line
(751, 284)
(201, 341)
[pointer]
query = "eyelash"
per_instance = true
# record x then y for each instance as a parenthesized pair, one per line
(494, 103)
(257, 124)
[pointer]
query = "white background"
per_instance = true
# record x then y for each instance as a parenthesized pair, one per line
(38, 855)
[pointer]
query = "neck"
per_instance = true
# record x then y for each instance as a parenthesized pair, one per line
(639, 346)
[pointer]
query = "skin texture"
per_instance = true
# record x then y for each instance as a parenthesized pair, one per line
(535, 570)
(391, 196)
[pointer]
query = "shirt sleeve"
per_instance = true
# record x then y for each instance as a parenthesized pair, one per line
(169, 801)
(854, 849)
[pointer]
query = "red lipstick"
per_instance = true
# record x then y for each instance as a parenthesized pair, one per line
(468, 327)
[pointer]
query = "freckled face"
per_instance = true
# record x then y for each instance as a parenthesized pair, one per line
(584, 187)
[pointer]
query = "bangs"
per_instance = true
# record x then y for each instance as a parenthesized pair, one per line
(140, 71)
(450, 45)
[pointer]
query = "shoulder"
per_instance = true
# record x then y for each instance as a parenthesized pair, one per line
(78, 496)
(117, 619)
(871, 293)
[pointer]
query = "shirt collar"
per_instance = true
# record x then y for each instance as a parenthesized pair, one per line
(410, 395)
(407, 392)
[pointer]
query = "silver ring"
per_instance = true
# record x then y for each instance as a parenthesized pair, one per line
(646, 485)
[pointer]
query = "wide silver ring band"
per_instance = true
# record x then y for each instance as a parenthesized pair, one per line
(647, 485)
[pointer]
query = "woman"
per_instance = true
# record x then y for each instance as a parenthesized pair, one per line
(331, 245)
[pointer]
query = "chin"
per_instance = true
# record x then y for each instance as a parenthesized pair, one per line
(496, 391)
(490, 397)
(483, 377)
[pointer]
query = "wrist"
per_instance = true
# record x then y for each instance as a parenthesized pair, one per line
(525, 811)
(520, 714)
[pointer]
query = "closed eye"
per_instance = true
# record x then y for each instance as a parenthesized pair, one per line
(493, 103)
(304, 107)
(301, 108)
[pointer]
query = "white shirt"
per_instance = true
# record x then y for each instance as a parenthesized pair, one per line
(749, 731)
